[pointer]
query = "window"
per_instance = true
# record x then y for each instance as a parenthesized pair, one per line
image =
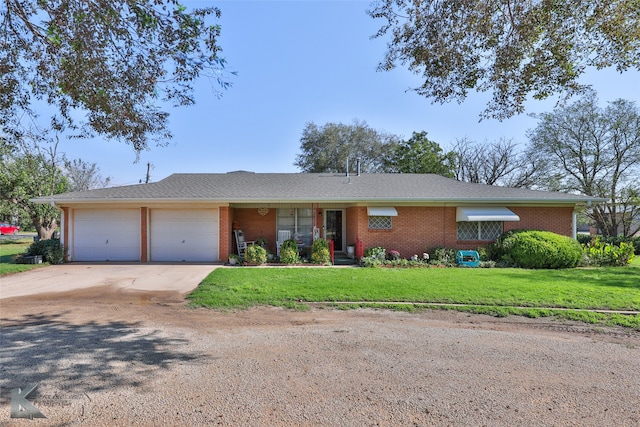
(380, 222)
(479, 230)
(298, 221)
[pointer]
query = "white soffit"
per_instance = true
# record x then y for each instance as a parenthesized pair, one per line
(382, 211)
(485, 214)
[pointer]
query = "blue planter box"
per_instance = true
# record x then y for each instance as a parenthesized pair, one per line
(468, 258)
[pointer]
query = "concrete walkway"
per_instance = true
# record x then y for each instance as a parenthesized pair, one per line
(182, 278)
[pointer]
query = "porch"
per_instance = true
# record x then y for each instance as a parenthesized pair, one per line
(303, 223)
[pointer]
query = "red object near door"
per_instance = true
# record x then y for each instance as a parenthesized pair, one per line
(331, 250)
(359, 248)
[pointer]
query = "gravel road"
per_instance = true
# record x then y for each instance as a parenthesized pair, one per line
(114, 358)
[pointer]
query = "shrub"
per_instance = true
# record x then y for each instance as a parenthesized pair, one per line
(373, 257)
(377, 252)
(255, 254)
(540, 249)
(51, 250)
(393, 255)
(599, 253)
(585, 239)
(443, 256)
(320, 252)
(495, 250)
(289, 252)
(483, 253)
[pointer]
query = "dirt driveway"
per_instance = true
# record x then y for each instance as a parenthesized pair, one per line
(108, 356)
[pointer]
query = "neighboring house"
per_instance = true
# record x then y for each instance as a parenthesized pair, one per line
(189, 217)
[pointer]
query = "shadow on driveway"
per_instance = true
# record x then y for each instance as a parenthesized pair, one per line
(82, 358)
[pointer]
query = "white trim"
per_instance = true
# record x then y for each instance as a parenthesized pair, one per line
(382, 211)
(468, 214)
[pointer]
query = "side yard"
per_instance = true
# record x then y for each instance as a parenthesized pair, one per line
(8, 251)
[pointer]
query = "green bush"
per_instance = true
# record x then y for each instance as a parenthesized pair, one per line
(600, 253)
(320, 252)
(51, 250)
(495, 250)
(373, 257)
(377, 252)
(540, 249)
(585, 239)
(255, 254)
(289, 252)
(443, 256)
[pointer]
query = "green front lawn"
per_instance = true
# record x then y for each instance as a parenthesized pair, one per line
(496, 291)
(9, 248)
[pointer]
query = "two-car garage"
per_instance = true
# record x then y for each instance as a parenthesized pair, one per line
(171, 235)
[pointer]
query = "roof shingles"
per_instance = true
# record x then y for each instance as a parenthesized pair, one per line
(292, 187)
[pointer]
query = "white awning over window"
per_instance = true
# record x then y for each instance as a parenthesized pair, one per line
(469, 214)
(384, 211)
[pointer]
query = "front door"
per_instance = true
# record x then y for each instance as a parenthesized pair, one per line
(333, 228)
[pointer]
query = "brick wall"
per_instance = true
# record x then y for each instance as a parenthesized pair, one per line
(224, 237)
(255, 225)
(414, 231)
(418, 229)
(557, 220)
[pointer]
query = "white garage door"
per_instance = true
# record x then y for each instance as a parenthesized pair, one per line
(184, 235)
(106, 235)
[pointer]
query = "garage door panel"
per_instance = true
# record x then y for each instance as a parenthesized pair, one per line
(106, 235)
(184, 235)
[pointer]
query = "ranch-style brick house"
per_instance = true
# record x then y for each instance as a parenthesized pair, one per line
(191, 217)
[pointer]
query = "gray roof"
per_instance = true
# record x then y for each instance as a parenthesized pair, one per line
(248, 187)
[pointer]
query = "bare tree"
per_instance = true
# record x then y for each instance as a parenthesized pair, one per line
(594, 151)
(83, 176)
(493, 163)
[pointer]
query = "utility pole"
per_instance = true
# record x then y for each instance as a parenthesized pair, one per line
(146, 181)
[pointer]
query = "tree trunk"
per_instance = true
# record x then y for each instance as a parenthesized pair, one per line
(45, 229)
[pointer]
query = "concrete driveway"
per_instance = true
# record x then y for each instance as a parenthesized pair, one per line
(182, 278)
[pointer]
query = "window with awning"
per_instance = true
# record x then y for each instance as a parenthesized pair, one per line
(482, 223)
(382, 211)
(380, 217)
(481, 214)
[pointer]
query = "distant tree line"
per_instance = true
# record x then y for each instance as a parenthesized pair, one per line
(579, 148)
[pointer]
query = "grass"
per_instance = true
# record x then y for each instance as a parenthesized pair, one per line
(8, 250)
(569, 294)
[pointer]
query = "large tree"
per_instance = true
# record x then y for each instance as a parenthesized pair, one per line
(419, 154)
(594, 151)
(27, 171)
(328, 148)
(513, 49)
(494, 163)
(103, 67)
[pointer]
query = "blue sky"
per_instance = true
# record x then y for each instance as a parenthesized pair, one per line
(300, 62)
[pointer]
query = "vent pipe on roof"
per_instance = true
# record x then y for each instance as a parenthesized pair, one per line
(358, 166)
(347, 167)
